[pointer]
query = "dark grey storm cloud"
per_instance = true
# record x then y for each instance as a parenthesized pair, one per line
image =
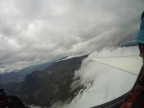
(32, 31)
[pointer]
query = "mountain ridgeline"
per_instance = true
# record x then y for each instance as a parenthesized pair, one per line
(19, 75)
(43, 88)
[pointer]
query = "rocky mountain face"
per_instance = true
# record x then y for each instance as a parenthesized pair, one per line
(43, 88)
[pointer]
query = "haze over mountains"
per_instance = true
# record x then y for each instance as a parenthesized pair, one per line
(19, 75)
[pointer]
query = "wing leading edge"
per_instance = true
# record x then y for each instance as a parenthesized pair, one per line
(130, 64)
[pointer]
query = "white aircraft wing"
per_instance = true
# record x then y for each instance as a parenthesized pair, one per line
(130, 64)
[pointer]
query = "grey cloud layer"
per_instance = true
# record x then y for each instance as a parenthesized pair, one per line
(34, 30)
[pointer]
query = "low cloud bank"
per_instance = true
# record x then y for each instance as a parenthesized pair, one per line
(103, 83)
(91, 68)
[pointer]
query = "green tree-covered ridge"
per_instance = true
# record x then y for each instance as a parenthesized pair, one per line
(53, 84)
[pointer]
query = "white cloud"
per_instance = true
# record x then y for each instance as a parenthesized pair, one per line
(104, 83)
(89, 68)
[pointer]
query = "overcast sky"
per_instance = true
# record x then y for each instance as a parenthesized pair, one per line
(32, 31)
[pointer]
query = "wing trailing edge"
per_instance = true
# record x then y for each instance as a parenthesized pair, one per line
(130, 64)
